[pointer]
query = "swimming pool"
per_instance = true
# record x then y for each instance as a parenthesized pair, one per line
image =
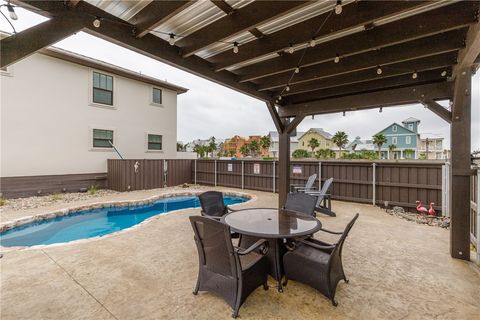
(97, 222)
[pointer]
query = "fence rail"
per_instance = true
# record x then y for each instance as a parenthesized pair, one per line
(383, 182)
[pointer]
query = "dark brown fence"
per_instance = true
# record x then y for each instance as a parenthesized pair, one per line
(124, 175)
(383, 182)
(398, 183)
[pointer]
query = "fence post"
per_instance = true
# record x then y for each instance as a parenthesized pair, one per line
(195, 171)
(165, 170)
(273, 163)
(215, 173)
(373, 184)
(243, 178)
(319, 175)
(478, 216)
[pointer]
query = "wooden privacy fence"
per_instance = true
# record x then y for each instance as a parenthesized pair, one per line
(140, 174)
(398, 183)
(383, 182)
(474, 209)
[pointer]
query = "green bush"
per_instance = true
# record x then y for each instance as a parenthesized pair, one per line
(3, 201)
(300, 153)
(325, 154)
(92, 189)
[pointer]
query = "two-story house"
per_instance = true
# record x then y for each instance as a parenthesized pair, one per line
(273, 150)
(62, 114)
(324, 139)
(403, 137)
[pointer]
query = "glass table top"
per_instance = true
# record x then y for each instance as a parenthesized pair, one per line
(271, 223)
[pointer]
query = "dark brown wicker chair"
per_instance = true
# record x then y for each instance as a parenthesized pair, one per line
(301, 202)
(214, 207)
(230, 272)
(317, 263)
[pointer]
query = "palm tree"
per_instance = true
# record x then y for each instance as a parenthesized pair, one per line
(313, 143)
(212, 146)
(379, 140)
(244, 150)
(391, 148)
(340, 139)
(265, 143)
(200, 150)
(254, 147)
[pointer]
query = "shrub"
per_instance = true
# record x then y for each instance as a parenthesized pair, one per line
(56, 196)
(300, 153)
(92, 189)
(3, 201)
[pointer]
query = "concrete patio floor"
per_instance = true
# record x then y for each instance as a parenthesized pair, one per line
(397, 270)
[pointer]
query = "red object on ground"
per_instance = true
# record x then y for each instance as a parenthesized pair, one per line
(421, 209)
(432, 211)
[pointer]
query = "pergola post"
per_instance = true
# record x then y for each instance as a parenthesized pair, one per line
(283, 165)
(460, 173)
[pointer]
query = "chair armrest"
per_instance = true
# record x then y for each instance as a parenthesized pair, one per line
(230, 209)
(259, 243)
(213, 217)
(317, 193)
(332, 232)
(305, 189)
(314, 245)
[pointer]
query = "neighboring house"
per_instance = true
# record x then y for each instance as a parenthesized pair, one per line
(273, 150)
(61, 111)
(358, 145)
(432, 148)
(324, 138)
(232, 146)
(189, 147)
(403, 137)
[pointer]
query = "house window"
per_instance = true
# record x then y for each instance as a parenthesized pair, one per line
(102, 138)
(154, 142)
(394, 128)
(394, 140)
(408, 139)
(410, 126)
(102, 88)
(157, 96)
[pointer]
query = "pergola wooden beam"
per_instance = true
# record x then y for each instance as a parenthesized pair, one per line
(366, 62)
(240, 20)
(155, 13)
(438, 109)
(468, 56)
(224, 6)
(381, 98)
(389, 38)
(275, 117)
(27, 42)
(353, 15)
(368, 86)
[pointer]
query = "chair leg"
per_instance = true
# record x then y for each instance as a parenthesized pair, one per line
(197, 286)
(285, 282)
(346, 280)
(265, 286)
(334, 303)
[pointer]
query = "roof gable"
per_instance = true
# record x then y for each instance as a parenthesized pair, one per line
(400, 129)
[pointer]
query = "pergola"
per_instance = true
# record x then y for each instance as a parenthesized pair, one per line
(301, 58)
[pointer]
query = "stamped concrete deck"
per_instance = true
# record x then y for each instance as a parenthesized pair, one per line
(397, 270)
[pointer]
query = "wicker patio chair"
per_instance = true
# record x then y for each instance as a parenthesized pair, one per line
(301, 202)
(214, 207)
(232, 273)
(317, 263)
(310, 185)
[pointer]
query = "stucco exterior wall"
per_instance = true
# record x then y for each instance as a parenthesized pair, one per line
(47, 117)
(324, 143)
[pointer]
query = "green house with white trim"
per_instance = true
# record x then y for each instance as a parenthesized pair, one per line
(404, 136)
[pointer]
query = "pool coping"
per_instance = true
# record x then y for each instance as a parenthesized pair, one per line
(4, 226)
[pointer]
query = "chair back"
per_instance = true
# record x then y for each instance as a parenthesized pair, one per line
(301, 202)
(311, 181)
(214, 245)
(326, 186)
(339, 245)
(212, 203)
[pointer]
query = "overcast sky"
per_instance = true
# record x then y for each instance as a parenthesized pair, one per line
(209, 109)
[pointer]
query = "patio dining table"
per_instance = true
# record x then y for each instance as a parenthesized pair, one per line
(275, 225)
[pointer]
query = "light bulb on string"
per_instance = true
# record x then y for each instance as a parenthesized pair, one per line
(414, 75)
(290, 49)
(444, 73)
(279, 98)
(312, 43)
(287, 88)
(96, 23)
(344, 113)
(338, 7)
(379, 70)
(235, 47)
(12, 12)
(337, 58)
(171, 40)
(297, 70)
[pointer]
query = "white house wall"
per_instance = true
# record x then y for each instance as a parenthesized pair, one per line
(47, 119)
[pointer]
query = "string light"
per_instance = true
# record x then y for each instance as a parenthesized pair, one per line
(297, 70)
(287, 88)
(414, 75)
(379, 70)
(313, 117)
(279, 98)
(96, 23)
(235, 47)
(312, 43)
(344, 113)
(338, 7)
(444, 73)
(337, 58)
(380, 110)
(290, 49)
(12, 13)
(171, 39)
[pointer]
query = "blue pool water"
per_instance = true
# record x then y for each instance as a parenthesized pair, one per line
(96, 222)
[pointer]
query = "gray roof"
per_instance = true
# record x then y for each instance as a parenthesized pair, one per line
(411, 119)
(320, 131)
(274, 136)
